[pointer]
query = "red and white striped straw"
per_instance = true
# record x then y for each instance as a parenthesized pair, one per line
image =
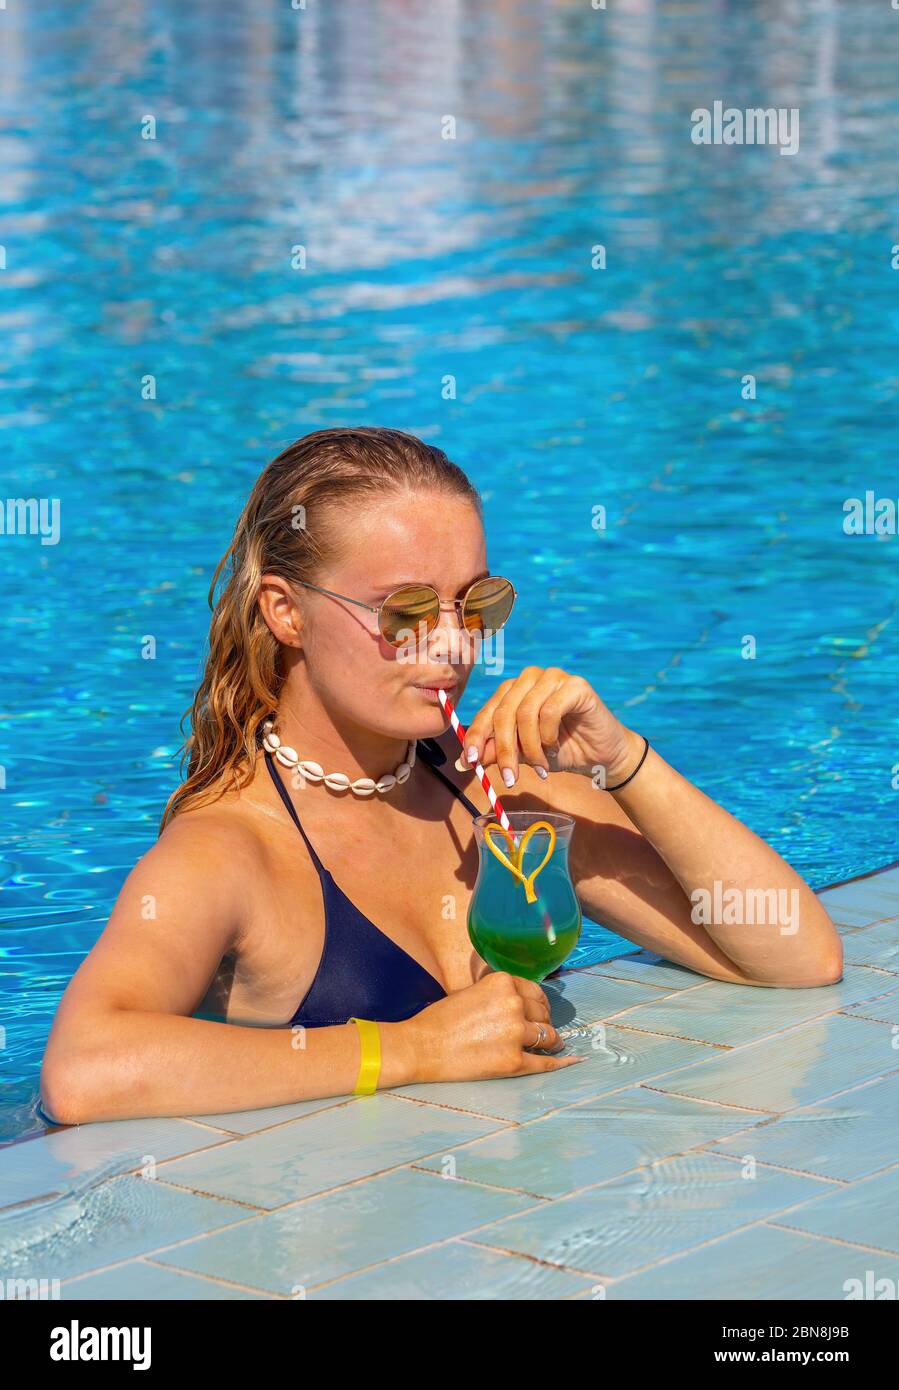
(495, 802)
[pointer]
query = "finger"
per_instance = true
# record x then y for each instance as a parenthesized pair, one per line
(543, 1037)
(537, 1018)
(535, 1061)
(529, 989)
(481, 726)
(550, 686)
(505, 723)
(537, 1011)
(568, 698)
(486, 758)
(507, 697)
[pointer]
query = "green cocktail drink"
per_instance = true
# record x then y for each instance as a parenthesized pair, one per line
(525, 938)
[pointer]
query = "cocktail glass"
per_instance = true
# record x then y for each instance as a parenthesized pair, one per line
(524, 916)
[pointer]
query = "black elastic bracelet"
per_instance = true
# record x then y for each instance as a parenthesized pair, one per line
(636, 769)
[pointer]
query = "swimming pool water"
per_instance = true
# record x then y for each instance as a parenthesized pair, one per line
(449, 291)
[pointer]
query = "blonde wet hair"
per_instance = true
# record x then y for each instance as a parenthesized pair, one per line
(290, 526)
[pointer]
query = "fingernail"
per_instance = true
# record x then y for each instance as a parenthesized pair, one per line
(459, 765)
(541, 772)
(472, 753)
(508, 776)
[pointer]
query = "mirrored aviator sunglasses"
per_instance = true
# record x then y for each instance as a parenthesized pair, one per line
(414, 610)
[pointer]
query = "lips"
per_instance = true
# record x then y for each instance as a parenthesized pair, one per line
(438, 685)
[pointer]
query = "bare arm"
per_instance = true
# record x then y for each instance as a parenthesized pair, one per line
(656, 859)
(659, 861)
(123, 1044)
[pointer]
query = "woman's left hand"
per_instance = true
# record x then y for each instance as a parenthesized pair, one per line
(554, 721)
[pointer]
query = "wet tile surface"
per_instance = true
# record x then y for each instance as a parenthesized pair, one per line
(885, 1009)
(581, 996)
(766, 1262)
(458, 1270)
(142, 1279)
(621, 1225)
(733, 1014)
(324, 1150)
(876, 896)
(251, 1121)
(647, 968)
(592, 1141)
(848, 1137)
(877, 945)
(867, 1212)
(812, 1062)
(313, 1242)
(66, 1160)
(113, 1221)
(715, 1141)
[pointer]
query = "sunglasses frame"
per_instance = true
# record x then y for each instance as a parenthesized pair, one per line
(457, 603)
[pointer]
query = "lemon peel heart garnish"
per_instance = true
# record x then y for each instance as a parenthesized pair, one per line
(514, 864)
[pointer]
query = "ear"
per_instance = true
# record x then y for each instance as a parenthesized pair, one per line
(280, 609)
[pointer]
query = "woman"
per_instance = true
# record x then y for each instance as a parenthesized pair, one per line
(223, 921)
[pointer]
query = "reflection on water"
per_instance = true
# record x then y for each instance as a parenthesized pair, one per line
(425, 257)
(48, 1239)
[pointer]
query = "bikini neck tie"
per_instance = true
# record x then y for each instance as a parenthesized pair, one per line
(337, 781)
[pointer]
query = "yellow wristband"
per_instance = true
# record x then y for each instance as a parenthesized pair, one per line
(370, 1049)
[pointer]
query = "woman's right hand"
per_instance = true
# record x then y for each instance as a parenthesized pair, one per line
(481, 1031)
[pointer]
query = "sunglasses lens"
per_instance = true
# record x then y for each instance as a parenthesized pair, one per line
(409, 612)
(488, 605)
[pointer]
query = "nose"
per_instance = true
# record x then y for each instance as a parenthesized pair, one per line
(448, 640)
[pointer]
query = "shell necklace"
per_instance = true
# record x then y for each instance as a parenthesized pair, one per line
(337, 781)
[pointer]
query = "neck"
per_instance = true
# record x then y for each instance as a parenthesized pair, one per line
(336, 745)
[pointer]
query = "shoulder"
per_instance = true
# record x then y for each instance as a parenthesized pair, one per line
(213, 850)
(221, 833)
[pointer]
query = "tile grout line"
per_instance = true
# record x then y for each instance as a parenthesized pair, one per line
(174, 1245)
(540, 1203)
(746, 1042)
(841, 1184)
(780, 1114)
(614, 1020)
(423, 1249)
(736, 1230)
(674, 1256)
(747, 1046)
(179, 1271)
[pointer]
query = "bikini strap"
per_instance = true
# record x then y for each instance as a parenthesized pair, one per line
(431, 754)
(291, 810)
(427, 751)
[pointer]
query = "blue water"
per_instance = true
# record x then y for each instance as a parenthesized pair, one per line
(576, 388)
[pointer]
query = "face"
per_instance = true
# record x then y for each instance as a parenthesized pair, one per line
(426, 538)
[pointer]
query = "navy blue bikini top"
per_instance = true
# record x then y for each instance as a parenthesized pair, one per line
(362, 973)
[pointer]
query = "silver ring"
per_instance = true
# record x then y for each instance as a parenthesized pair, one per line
(541, 1036)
